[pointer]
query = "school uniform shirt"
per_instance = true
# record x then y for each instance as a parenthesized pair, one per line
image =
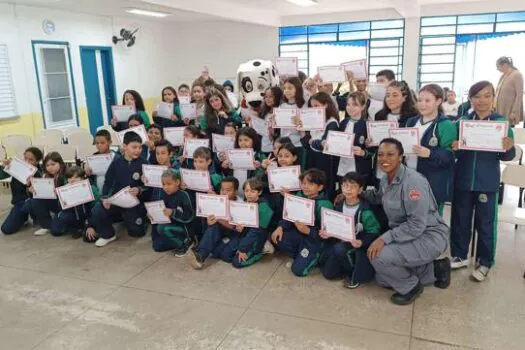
(265, 213)
(98, 180)
(411, 160)
(292, 133)
(367, 225)
(233, 117)
(451, 109)
(122, 173)
(19, 192)
(363, 165)
(180, 203)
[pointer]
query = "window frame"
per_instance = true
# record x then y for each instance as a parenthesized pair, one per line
(11, 112)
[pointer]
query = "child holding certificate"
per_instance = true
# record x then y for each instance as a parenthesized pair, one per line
(20, 196)
(477, 180)
(300, 241)
(132, 98)
(54, 168)
(349, 259)
(123, 172)
(164, 157)
(293, 97)
(154, 135)
(103, 146)
(169, 95)
(217, 112)
(190, 132)
(74, 220)
(198, 91)
(272, 99)
(399, 104)
(312, 141)
(434, 157)
(355, 123)
(175, 235)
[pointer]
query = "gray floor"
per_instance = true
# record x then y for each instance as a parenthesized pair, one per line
(58, 293)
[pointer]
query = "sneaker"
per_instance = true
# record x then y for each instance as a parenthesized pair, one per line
(268, 248)
(181, 252)
(458, 263)
(194, 259)
(41, 232)
(480, 273)
(349, 283)
(289, 264)
(102, 242)
(442, 273)
(408, 298)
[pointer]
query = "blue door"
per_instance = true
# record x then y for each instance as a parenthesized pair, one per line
(99, 84)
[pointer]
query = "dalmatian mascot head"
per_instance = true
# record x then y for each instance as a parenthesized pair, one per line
(253, 78)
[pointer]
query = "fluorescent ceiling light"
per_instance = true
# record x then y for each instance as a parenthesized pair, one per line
(303, 3)
(147, 13)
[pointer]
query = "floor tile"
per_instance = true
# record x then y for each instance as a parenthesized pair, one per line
(135, 319)
(315, 297)
(218, 281)
(33, 305)
(417, 344)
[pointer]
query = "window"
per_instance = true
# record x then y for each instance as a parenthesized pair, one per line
(55, 84)
(7, 91)
(380, 42)
(456, 51)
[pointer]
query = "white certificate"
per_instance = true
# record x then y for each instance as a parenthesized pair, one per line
(357, 68)
(241, 159)
(122, 113)
(75, 194)
(331, 74)
(140, 130)
(337, 225)
(174, 135)
(156, 212)
(283, 118)
(153, 175)
(233, 98)
(287, 66)
(259, 125)
(482, 135)
(312, 118)
(340, 144)
(245, 214)
(20, 170)
(184, 100)
(188, 110)
(190, 145)
(409, 137)
(124, 199)
(165, 110)
(44, 188)
(196, 180)
(285, 177)
(379, 130)
(99, 163)
(375, 106)
(298, 209)
(211, 204)
(222, 143)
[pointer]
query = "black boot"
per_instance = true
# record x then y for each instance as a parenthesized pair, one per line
(442, 272)
(408, 298)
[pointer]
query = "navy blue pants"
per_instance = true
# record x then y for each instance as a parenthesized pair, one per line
(17, 217)
(303, 249)
(134, 220)
(167, 237)
(42, 209)
(68, 220)
(485, 205)
(342, 260)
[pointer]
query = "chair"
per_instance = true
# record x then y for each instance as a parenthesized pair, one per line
(15, 145)
(72, 130)
(68, 152)
(3, 155)
(85, 151)
(80, 137)
(49, 137)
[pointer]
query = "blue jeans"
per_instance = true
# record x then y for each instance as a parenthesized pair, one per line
(17, 217)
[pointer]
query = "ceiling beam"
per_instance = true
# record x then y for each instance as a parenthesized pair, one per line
(407, 8)
(219, 9)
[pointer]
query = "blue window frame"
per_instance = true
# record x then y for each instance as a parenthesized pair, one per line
(383, 41)
(440, 38)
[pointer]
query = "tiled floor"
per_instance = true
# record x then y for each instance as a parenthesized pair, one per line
(58, 293)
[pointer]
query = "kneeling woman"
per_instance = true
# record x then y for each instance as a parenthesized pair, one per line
(403, 256)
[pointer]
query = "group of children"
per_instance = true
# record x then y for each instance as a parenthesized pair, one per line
(322, 178)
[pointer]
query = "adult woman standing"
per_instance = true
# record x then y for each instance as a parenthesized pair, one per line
(403, 256)
(509, 93)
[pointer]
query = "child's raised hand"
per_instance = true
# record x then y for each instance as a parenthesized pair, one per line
(421, 151)
(222, 156)
(183, 185)
(323, 234)
(186, 121)
(225, 164)
(134, 191)
(211, 220)
(368, 142)
(455, 145)
(6, 162)
(168, 212)
(284, 190)
(174, 118)
(356, 243)
(277, 235)
(256, 164)
(508, 143)
(106, 204)
(302, 228)
(223, 115)
(358, 151)
(30, 187)
(239, 228)
(242, 256)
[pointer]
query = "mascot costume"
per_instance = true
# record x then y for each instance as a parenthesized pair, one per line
(253, 78)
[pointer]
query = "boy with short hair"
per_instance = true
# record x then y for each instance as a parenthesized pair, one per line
(103, 145)
(124, 171)
(300, 241)
(349, 259)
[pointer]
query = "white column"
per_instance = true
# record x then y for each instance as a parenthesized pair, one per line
(411, 54)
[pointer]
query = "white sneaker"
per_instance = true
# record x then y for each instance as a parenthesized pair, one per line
(480, 273)
(268, 248)
(458, 263)
(41, 232)
(102, 242)
(289, 264)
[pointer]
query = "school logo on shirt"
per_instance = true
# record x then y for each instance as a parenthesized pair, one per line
(136, 176)
(138, 221)
(362, 139)
(305, 252)
(414, 195)
(483, 198)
